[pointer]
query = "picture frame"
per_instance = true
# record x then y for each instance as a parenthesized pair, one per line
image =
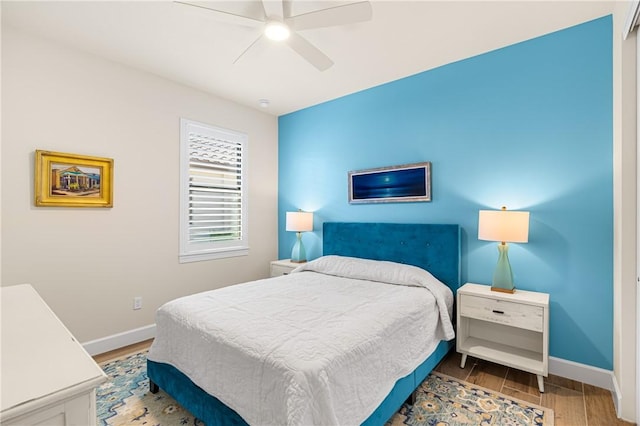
(72, 180)
(394, 184)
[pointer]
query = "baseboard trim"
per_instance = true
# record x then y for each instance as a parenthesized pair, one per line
(117, 341)
(583, 373)
(617, 397)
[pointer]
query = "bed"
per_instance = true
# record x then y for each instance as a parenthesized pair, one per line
(315, 389)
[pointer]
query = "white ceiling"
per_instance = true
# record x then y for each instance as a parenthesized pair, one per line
(196, 47)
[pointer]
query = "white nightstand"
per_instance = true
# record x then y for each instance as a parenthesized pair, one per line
(282, 267)
(509, 329)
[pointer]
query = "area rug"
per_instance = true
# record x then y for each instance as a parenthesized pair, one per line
(444, 401)
(125, 400)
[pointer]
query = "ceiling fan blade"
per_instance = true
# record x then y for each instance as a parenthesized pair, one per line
(338, 15)
(273, 9)
(309, 52)
(251, 14)
(247, 49)
(286, 8)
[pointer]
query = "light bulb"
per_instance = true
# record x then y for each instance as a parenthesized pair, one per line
(276, 31)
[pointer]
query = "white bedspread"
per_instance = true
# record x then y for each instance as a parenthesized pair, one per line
(321, 346)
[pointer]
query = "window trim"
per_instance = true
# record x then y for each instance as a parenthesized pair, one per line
(213, 250)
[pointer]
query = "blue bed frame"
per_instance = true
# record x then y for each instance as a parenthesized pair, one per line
(435, 248)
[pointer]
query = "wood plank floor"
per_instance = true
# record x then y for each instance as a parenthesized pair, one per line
(573, 403)
(117, 353)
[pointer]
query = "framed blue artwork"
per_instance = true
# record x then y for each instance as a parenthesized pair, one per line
(405, 183)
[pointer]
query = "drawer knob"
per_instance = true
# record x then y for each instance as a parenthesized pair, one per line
(498, 312)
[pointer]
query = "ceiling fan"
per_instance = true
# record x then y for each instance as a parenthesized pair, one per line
(278, 23)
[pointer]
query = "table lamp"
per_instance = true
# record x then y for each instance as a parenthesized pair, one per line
(299, 222)
(505, 227)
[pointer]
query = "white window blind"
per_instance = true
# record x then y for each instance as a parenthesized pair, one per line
(633, 18)
(213, 205)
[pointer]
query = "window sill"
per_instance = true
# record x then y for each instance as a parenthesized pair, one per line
(199, 257)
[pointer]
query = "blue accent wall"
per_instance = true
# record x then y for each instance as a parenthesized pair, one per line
(528, 126)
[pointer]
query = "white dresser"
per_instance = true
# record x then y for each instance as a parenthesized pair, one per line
(47, 377)
(509, 329)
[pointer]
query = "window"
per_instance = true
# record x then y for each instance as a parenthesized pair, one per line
(213, 205)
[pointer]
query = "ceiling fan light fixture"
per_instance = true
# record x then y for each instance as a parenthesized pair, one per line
(276, 31)
(278, 23)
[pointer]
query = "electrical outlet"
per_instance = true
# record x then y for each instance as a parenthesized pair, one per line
(137, 303)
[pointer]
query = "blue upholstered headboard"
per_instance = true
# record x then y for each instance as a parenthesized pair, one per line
(435, 248)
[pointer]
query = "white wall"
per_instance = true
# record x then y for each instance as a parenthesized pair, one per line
(88, 264)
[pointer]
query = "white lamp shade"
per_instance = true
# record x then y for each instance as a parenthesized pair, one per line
(299, 221)
(503, 225)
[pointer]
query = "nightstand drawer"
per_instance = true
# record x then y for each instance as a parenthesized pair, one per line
(499, 311)
(282, 267)
(277, 270)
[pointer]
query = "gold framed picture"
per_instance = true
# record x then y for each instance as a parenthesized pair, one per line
(72, 180)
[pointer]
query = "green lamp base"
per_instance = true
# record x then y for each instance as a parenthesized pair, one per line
(503, 276)
(298, 254)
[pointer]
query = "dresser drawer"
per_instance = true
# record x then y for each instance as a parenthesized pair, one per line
(499, 311)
